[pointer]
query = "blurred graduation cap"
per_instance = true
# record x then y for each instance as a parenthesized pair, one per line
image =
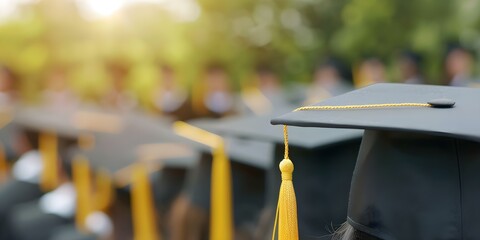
(229, 172)
(141, 139)
(48, 131)
(416, 173)
(8, 134)
(142, 152)
(328, 158)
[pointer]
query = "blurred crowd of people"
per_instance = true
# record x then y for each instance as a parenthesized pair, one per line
(214, 94)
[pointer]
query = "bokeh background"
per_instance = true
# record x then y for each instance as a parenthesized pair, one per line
(290, 36)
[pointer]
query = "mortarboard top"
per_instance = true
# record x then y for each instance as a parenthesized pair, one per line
(456, 121)
(416, 172)
(259, 128)
(141, 139)
(245, 151)
(41, 119)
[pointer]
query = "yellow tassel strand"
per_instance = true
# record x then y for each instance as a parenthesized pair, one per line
(104, 194)
(143, 210)
(221, 215)
(48, 149)
(221, 222)
(256, 101)
(286, 215)
(3, 164)
(81, 179)
(362, 106)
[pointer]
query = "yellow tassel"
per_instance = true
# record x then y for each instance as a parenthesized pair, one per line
(221, 215)
(197, 102)
(81, 179)
(86, 141)
(287, 204)
(221, 222)
(48, 148)
(3, 164)
(144, 222)
(104, 191)
(256, 101)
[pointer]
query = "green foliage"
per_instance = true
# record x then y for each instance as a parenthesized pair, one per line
(290, 35)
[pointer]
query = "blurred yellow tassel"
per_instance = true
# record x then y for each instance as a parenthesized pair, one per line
(256, 101)
(48, 148)
(104, 191)
(221, 215)
(287, 203)
(144, 222)
(198, 101)
(3, 164)
(81, 179)
(221, 222)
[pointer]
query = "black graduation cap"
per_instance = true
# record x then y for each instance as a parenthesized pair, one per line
(8, 134)
(143, 139)
(43, 119)
(416, 173)
(245, 167)
(327, 159)
(144, 155)
(51, 132)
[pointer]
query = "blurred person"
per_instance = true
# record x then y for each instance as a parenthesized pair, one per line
(40, 195)
(118, 97)
(371, 70)
(329, 79)
(169, 97)
(268, 82)
(8, 83)
(8, 131)
(39, 219)
(19, 189)
(458, 66)
(56, 93)
(264, 92)
(409, 64)
(213, 97)
(70, 232)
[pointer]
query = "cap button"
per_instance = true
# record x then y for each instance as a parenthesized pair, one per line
(442, 103)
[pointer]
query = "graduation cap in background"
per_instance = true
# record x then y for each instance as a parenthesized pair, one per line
(327, 160)
(416, 173)
(48, 131)
(228, 173)
(8, 134)
(143, 149)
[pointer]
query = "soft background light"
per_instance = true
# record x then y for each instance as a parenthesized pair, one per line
(290, 35)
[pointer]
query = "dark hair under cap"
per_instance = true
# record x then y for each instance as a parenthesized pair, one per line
(6, 70)
(342, 69)
(32, 137)
(412, 56)
(454, 46)
(215, 66)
